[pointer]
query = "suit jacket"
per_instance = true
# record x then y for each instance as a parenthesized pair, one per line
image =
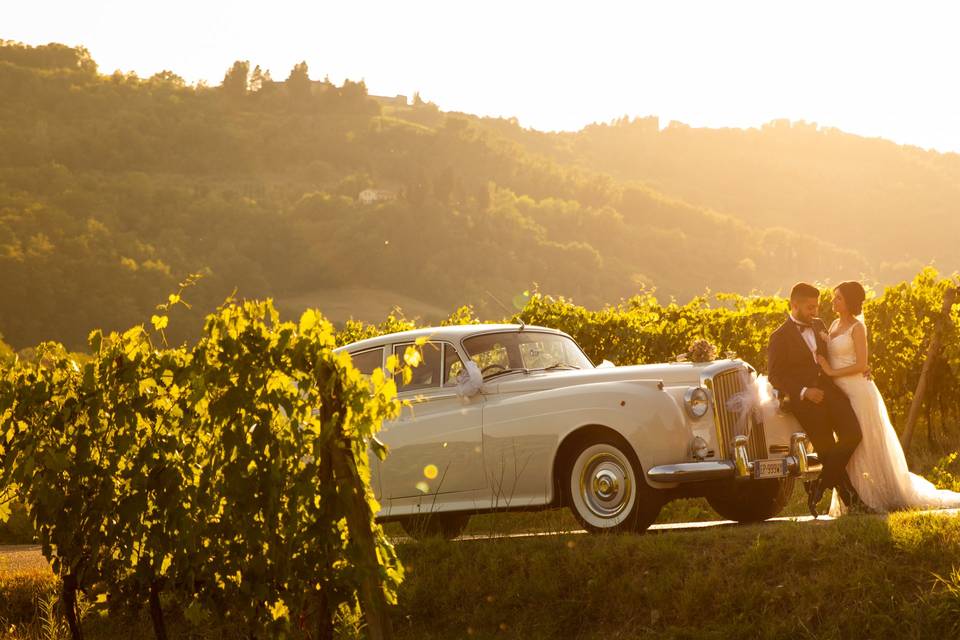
(790, 365)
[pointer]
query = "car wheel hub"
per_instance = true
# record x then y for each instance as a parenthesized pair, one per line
(605, 485)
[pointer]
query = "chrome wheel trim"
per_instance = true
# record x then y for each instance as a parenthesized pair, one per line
(603, 486)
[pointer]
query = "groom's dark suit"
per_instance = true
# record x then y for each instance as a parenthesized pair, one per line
(791, 367)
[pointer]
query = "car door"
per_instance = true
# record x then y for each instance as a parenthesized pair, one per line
(436, 445)
(366, 362)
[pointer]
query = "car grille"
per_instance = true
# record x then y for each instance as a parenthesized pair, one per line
(733, 411)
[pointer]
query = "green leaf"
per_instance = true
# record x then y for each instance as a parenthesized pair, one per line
(308, 321)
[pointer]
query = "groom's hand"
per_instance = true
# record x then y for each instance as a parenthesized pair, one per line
(814, 395)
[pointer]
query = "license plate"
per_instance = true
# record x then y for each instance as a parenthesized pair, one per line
(769, 469)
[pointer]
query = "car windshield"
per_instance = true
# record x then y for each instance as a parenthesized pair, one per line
(497, 353)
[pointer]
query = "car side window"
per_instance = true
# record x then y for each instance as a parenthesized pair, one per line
(427, 374)
(452, 365)
(367, 361)
(493, 354)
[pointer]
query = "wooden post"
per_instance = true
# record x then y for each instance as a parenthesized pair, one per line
(372, 600)
(339, 450)
(932, 351)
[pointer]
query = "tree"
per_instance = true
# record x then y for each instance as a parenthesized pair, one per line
(484, 195)
(236, 82)
(443, 184)
(298, 83)
(417, 188)
(166, 77)
(354, 99)
(259, 79)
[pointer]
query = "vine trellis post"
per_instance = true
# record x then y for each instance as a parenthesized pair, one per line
(933, 350)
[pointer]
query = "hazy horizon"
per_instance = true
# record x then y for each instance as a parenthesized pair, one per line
(867, 69)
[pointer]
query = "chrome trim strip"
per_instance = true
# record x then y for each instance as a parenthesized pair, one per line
(684, 472)
(692, 471)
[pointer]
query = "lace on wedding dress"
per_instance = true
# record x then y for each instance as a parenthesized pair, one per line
(878, 468)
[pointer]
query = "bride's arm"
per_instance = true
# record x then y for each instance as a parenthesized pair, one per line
(863, 357)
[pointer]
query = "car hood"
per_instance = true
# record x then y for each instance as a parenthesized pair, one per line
(671, 374)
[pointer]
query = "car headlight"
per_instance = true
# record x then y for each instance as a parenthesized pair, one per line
(699, 449)
(697, 401)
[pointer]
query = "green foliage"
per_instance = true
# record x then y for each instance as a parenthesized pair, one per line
(462, 315)
(356, 330)
(899, 324)
(6, 353)
(946, 473)
(111, 184)
(641, 330)
(233, 474)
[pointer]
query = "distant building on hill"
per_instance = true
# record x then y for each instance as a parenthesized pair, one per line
(369, 196)
(395, 101)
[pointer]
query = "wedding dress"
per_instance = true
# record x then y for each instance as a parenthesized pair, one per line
(878, 468)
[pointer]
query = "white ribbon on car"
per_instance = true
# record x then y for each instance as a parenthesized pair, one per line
(744, 403)
(469, 380)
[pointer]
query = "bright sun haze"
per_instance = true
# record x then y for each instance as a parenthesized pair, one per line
(870, 68)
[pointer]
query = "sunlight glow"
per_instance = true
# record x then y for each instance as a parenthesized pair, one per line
(876, 69)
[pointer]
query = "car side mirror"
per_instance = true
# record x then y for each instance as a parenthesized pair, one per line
(470, 380)
(606, 364)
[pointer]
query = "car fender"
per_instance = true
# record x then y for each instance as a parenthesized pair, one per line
(523, 432)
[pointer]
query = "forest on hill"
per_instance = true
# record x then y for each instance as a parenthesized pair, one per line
(113, 188)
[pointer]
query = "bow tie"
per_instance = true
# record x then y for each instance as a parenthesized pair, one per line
(802, 326)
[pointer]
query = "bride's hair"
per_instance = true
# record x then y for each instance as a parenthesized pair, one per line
(853, 295)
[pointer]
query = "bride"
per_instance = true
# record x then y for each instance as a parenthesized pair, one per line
(878, 468)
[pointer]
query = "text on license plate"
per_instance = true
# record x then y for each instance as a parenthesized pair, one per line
(768, 468)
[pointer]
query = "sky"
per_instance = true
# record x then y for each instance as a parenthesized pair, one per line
(878, 69)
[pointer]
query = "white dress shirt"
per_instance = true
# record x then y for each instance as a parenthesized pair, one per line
(808, 336)
(811, 339)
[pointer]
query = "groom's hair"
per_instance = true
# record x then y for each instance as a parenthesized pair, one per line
(802, 291)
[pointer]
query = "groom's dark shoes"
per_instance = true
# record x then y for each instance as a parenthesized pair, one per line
(815, 490)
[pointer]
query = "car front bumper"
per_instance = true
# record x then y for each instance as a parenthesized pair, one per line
(799, 464)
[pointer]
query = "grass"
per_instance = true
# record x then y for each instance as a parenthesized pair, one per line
(891, 576)
(895, 576)
(865, 577)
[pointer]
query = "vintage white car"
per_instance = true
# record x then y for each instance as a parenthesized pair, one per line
(513, 417)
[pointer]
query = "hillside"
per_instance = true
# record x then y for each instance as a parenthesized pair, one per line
(113, 188)
(896, 205)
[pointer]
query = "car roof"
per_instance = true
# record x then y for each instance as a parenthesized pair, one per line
(452, 333)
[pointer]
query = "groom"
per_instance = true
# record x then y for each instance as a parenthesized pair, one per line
(822, 409)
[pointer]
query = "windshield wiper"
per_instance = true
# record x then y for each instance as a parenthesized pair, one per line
(503, 371)
(557, 365)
